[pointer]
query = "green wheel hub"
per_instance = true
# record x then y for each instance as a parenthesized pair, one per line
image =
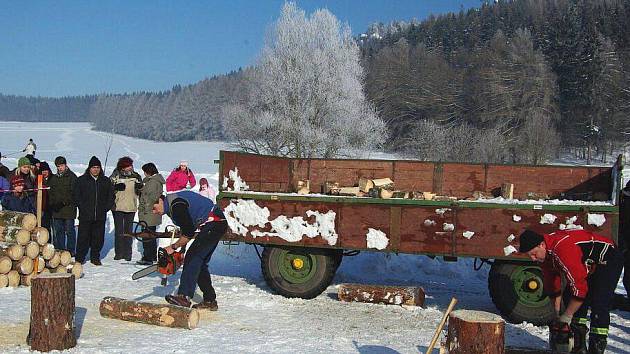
(528, 284)
(295, 267)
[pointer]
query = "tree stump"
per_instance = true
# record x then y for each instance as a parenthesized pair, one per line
(393, 295)
(5, 264)
(155, 314)
(31, 250)
(475, 332)
(9, 218)
(47, 251)
(40, 235)
(52, 312)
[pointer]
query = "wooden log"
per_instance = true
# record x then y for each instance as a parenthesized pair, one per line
(40, 264)
(26, 280)
(303, 187)
(401, 194)
(65, 257)
(143, 312)
(4, 281)
(52, 312)
(32, 250)
(24, 221)
(350, 191)
(14, 278)
(47, 251)
(18, 236)
(54, 261)
(475, 332)
(60, 269)
(24, 265)
(330, 188)
(5, 264)
(385, 193)
(507, 190)
(77, 269)
(13, 251)
(365, 184)
(385, 183)
(379, 294)
(428, 195)
(40, 235)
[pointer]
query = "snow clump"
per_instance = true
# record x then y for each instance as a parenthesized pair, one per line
(516, 218)
(468, 234)
(376, 239)
(596, 219)
(548, 219)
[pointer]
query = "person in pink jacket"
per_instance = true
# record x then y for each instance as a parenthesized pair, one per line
(181, 178)
(207, 190)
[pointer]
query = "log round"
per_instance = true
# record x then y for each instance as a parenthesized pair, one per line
(40, 235)
(475, 332)
(52, 312)
(14, 278)
(24, 265)
(77, 270)
(143, 312)
(65, 257)
(31, 250)
(54, 261)
(5, 264)
(24, 221)
(47, 251)
(45, 271)
(60, 269)
(4, 281)
(379, 294)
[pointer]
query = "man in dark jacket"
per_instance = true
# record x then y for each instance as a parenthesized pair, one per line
(94, 195)
(192, 211)
(60, 202)
(4, 170)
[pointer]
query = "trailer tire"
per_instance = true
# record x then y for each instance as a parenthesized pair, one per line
(299, 272)
(516, 291)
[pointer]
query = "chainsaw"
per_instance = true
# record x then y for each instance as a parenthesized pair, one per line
(142, 233)
(167, 264)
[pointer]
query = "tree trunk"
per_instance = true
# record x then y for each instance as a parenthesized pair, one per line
(40, 235)
(394, 295)
(156, 314)
(52, 312)
(5, 264)
(24, 221)
(23, 266)
(32, 250)
(14, 278)
(14, 251)
(47, 251)
(475, 332)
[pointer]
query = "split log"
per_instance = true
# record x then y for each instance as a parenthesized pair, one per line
(350, 191)
(54, 262)
(65, 257)
(40, 235)
(26, 221)
(155, 314)
(5, 264)
(330, 188)
(383, 183)
(23, 266)
(60, 269)
(13, 251)
(47, 251)
(365, 184)
(303, 187)
(76, 269)
(4, 281)
(52, 312)
(14, 235)
(428, 195)
(14, 278)
(385, 193)
(507, 190)
(26, 280)
(475, 332)
(32, 250)
(378, 294)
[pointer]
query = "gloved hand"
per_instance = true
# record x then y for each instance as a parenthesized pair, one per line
(560, 335)
(138, 186)
(119, 186)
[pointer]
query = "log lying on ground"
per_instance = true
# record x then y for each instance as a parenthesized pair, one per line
(47, 251)
(40, 235)
(475, 332)
(32, 250)
(13, 251)
(5, 264)
(65, 258)
(14, 278)
(52, 312)
(394, 295)
(9, 218)
(155, 314)
(24, 265)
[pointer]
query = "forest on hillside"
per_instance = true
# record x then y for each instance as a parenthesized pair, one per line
(510, 81)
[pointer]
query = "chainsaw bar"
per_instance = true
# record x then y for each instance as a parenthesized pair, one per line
(144, 272)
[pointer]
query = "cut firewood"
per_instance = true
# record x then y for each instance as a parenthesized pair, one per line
(303, 187)
(385, 193)
(330, 188)
(14, 278)
(26, 280)
(65, 257)
(537, 196)
(9, 218)
(40, 235)
(60, 269)
(155, 314)
(350, 191)
(54, 261)
(47, 251)
(13, 251)
(428, 195)
(45, 271)
(77, 269)
(481, 195)
(5, 264)
(41, 264)
(31, 250)
(475, 332)
(24, 265)
(393, 295)
(384, 183)
(4, 281)
(365, 185)
(52, 312)
(507, 190)
(15, 236)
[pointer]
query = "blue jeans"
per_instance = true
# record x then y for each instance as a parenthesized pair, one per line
(65, 236)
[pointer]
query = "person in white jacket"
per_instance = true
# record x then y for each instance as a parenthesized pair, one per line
(30, 148)
(207, 190)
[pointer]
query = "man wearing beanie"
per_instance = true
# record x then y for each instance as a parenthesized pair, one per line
(94, 195)
(591, 265)
(63, 209)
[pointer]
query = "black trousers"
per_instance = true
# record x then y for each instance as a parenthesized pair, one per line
(195, 270)
(626, 272)
(149, 247)
(122, 225)
(91, 237)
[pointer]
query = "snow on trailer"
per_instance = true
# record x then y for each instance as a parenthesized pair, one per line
(304, 235)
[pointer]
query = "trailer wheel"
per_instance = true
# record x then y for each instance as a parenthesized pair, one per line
(298, 272)
(517, 292)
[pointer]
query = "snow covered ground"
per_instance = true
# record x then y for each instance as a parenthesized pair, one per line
(250, 317)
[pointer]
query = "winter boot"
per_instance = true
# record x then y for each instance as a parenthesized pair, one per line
(579, 338)
(178, 300)
(144, 262)
(596, 344)
(207, 305)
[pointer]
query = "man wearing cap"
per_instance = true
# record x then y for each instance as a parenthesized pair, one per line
(590, 264)
(64, 211)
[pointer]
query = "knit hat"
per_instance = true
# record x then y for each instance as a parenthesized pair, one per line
(17, 180)
(60, 160)
(124, 162)
(43, 166)
(528, 240)
(183, 163)
(24, 161)
(94, 161)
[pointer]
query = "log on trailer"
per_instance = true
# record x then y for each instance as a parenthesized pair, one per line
(52, 312)
(155, 314)
(9, 218)
(475, 332)
(379, 294)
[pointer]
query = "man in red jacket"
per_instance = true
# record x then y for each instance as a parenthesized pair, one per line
(591, 266)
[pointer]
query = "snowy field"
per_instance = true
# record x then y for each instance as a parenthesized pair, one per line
(251, 319)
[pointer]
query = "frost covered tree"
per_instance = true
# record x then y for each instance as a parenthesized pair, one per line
(305, 95)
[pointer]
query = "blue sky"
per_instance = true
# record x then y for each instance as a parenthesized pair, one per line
(59, 48)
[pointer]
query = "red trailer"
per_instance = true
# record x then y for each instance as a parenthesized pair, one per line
(306, 236)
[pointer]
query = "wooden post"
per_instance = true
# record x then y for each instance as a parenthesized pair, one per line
(378, 294)
(52, 312)
(507, 190)
(40, 183)
(475, 332)
(143, 312)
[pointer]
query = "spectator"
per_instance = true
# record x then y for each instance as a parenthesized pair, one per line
(207, 190)
(4, 170)
(24, 170)
(94, 195)
(63, 209)
(46, 173)
(181, 178)
(127, 184)
(5, 186)
(152, 189)
(18, 200)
